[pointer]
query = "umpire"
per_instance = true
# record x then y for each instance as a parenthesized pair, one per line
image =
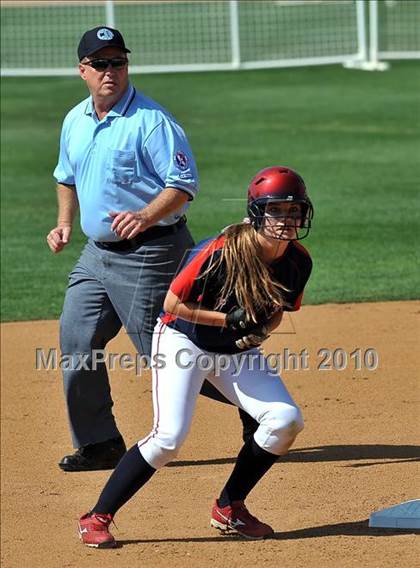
(126, 164)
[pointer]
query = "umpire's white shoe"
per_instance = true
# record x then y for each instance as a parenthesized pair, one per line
(236, 517)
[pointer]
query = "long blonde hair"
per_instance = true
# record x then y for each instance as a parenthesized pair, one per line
(247, 275)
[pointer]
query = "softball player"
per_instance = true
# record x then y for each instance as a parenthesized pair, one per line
(220, 308)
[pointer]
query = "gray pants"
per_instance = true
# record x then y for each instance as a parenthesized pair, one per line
(106, 290)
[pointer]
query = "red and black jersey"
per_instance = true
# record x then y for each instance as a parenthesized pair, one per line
(292, 270)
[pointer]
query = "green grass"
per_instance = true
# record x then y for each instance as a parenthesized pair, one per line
(354, 136)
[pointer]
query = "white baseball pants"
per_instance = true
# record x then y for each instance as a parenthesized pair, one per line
(246, 379)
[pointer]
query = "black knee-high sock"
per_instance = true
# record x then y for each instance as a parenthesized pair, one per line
(128, 477)
(249, 424)
(252, 463)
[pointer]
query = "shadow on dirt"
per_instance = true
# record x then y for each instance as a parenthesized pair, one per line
(354, 528)
(372, 452)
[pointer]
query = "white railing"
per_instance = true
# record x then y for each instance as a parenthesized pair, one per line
(41, 37)
(398, 29)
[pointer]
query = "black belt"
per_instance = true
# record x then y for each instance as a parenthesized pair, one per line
(149, 234)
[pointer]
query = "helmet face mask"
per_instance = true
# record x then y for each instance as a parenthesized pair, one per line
(278, 204)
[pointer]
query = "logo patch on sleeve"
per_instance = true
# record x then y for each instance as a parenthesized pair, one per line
(181, 160)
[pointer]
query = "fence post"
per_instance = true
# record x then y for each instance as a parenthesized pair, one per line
(110, 13)
(374, 62)
(373, 28)
(361, 30)
(367, 61)
(234, 34)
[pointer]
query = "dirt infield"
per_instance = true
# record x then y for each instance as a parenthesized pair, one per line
(357, 454)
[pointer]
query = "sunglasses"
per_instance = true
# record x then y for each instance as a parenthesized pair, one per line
(102, 64)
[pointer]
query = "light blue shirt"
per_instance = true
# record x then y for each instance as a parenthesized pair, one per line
(123, 161)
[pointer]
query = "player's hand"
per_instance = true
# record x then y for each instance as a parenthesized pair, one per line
(254, 339)
(237, 320)
(59, 237)
(128, 224)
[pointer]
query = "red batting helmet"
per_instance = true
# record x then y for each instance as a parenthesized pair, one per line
(279, 184)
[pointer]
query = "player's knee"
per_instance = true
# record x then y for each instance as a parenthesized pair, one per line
(160, 450)
(287, 421)
(279, 428)
(164, 455)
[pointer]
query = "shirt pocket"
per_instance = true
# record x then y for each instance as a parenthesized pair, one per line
(121, 167)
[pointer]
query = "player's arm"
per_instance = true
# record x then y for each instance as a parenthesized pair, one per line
(68, 205)
(192, 311)
(305, 268)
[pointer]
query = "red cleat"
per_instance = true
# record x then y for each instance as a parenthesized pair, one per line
(236, 517)
(93, 530)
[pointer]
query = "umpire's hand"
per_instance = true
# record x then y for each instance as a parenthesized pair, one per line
(59, 237)
(128, 224)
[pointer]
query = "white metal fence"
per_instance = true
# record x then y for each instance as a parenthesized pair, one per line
(41, 37)
(394, 29)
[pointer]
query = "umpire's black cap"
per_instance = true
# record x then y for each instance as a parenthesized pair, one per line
(96, 39)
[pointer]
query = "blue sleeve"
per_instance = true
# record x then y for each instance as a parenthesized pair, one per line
(63, 172)
(168, 154)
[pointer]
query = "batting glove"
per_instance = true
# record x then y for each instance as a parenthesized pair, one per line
(237, 320)
(254, 339)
